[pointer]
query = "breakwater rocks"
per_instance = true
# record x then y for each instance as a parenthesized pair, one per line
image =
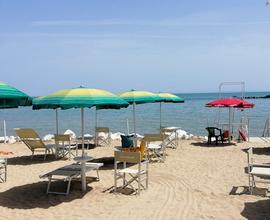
(255, 97)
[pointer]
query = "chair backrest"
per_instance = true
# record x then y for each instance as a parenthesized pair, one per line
(212, 131)
(129, 157)
(102, 129)
(153, 137)
(62, 138)
(30, 138)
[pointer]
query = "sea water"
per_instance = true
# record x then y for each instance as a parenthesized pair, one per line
(192, 116)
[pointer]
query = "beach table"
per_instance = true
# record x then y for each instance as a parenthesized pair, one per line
(172, 136)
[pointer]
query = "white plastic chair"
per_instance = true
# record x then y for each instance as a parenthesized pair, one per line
(102, 136)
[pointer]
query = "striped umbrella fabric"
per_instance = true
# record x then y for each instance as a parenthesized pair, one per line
(80, 98)
(168, 98)
(140, 97)
(11, 97)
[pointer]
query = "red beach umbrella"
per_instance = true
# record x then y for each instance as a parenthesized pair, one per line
(230, 103)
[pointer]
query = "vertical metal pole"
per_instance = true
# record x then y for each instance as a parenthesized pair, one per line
(5, 132)
(82, 131)
(56, 118)
(134, 124)
(96, 138)
(160, 122)
(83, 161)
(230, 116)
(127, 127)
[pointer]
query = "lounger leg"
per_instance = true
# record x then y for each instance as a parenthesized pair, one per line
(68, 186)
(49, 184)
(32, 154)
(6, 171)
(97, 175)
(45, 154)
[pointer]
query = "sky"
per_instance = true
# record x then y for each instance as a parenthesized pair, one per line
(118, 45)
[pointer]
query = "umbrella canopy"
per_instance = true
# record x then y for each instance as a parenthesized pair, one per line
(140, 97)
(168, 98)
(11, 97)
(230, 103)
(80, 98)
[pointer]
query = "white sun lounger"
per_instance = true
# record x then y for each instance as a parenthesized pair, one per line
(255, 169)
(67, 173)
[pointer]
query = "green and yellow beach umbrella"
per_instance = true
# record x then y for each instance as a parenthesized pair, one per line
(139, 97)
(168, 98)
(80, 98)
(11, 97)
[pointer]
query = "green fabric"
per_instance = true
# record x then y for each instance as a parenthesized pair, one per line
(168, 97)
(140, 97)
(11, 97)
(80, 98)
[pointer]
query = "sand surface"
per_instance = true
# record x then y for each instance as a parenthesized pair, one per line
(195, 182)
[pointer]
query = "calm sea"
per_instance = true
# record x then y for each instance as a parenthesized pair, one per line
(191, 116)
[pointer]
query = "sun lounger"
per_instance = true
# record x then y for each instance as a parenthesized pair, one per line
(32, 140)
(68, 173)
(256, 169)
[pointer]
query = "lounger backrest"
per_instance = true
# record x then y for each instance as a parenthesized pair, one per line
(102, 129)
(129, 157)
(26, 133)
(62, 137)
(30, 138)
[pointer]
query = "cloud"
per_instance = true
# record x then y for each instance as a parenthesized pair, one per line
(161, 23)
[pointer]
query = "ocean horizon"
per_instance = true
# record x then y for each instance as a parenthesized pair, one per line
(191, 116)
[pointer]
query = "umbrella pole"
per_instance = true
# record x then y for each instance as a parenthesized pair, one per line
(230, 124)
(134, 124)
(56, 119)
(96, 115)
(5, 132)
(83, 161)
(160, 124)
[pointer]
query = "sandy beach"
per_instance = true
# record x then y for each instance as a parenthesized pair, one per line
(195, 182)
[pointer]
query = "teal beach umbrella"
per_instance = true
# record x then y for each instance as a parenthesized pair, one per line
(11, 97)
(80, 98)
(139, 97)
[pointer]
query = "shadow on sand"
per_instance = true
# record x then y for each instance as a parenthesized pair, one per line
(257, 210)
(34, 195)
(204, 144)
(27, 160)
